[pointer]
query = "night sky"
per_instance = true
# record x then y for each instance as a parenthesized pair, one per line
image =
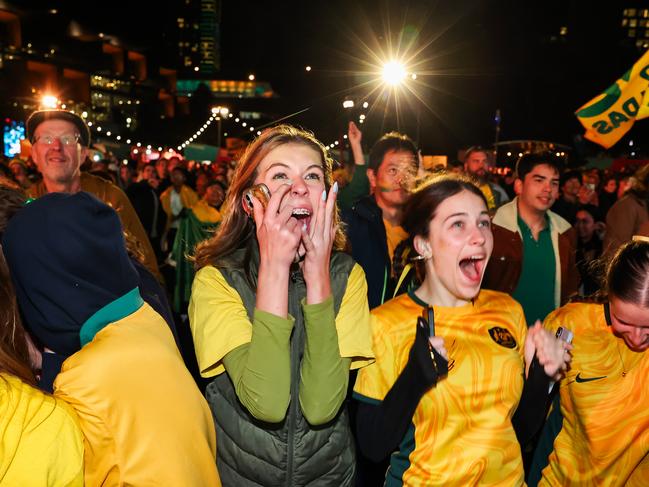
(471, 58)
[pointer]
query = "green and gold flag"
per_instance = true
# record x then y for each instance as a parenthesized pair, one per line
(610, 115)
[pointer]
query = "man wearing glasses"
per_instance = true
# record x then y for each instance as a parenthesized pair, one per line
(60, 141)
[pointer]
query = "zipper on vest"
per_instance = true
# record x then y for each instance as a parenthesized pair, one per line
(294, 309)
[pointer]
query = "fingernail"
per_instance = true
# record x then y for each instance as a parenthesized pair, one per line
(324, 195)
(335, 187)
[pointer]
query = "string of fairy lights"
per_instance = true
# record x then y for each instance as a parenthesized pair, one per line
(218, 114)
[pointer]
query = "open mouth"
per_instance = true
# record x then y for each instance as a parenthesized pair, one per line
(303, 215)
(472, 268)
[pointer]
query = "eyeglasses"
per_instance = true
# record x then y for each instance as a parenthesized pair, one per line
(67, 140)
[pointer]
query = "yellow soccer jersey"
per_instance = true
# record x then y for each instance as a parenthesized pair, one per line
(461, 432)
(604, 439)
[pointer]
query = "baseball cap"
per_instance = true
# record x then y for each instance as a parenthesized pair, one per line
(40, 116)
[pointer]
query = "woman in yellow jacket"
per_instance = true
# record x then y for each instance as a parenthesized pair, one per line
(40, 440)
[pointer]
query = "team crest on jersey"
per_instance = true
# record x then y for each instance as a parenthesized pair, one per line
(502, 337)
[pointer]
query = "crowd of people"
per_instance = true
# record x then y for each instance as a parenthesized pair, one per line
(281, 318)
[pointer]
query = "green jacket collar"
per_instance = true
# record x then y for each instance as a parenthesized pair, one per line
(123, 306)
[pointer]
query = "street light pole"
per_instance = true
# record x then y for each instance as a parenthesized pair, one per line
(220, 112)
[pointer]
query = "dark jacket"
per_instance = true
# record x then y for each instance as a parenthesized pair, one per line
(506, 263)
(624, 220)
(369, 247)
(290, 453)
(147, 205)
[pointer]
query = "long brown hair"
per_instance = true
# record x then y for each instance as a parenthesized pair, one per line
(421, 208)
(12, 199)
(237, 229)
(14, 356)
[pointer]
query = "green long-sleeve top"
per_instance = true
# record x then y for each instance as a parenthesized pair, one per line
(256, 355)
(260, 370)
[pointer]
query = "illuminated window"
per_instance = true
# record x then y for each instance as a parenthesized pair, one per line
(631, 32)
(563, 31)
(631, 12)
(625, 22)
(633, 23)
(645, 13)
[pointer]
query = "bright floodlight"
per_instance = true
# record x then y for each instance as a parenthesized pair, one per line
(49, 101)
(393, 73)
(223, 111)
(348, 104)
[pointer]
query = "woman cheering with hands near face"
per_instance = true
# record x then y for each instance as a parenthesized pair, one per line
(284, 314)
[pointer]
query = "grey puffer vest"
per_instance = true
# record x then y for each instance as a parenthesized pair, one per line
(290, 453)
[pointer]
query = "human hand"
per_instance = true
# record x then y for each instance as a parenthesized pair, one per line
(553, 354)
(437, 343)
(354, 134)
(586, 195)
(278, 232)
(428, 354)
(318, 242)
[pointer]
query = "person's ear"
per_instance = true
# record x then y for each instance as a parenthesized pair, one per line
(371, 176)
(83, 153)
(518, 186)
(422, 247)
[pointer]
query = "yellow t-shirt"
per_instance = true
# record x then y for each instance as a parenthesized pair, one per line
(220, 323)
(206, 213)
(143, 419)
(461, 431)
(395, 234)
(489, 196)
(604, 439)
(40, 439)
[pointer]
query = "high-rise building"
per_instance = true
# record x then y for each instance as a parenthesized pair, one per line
(198, 39)
(635, 21)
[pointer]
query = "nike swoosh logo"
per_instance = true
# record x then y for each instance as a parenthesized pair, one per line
(581, 379)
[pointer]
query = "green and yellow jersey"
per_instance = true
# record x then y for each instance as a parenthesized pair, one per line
(604, 439)
(461, 432)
